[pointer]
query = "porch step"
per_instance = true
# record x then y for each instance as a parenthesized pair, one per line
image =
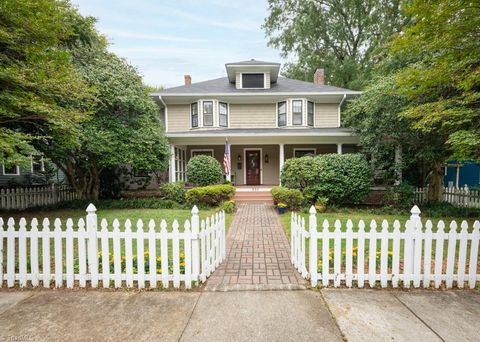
(253, 197)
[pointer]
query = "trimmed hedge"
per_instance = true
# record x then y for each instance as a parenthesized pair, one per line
(204, 170)
(173, 191)
(293, 198)
(212, 195)
(342, 178)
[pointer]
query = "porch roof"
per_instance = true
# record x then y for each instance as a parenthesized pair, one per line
(263, 136)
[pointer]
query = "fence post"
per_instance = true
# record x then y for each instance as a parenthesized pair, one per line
(92, 244)
(195, 244)
(312, 246)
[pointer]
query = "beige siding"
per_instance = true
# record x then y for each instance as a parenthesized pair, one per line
(237, 80)
(326, 115)
(267, 80)
(252, 115)
(178, 117)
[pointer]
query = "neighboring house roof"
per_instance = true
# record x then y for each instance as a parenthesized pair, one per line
(283, 85)
(263, 132)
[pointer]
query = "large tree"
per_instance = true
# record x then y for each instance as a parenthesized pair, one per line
(38, 82)
(341, 36)
(125, 129)
(442, 84)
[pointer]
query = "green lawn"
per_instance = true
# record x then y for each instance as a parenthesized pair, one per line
(121, 214)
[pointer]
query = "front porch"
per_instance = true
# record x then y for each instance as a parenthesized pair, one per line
(253, 164)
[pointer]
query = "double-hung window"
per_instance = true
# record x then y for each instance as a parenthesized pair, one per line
(310, 109)
(194, 114)
(222, 114)
(282, 113)
(207, 113)
(297, 112)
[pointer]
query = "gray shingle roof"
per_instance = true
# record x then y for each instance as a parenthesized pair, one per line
(222, 86)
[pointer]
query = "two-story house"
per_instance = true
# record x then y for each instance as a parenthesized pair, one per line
(266, 119)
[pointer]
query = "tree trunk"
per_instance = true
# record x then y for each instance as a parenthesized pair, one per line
(435, 188)
(398, 164)
(85, 181)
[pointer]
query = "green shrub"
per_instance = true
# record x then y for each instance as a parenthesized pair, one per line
(342, 178)
(228, 206)
(402, 195)
(204, 170)
(173, 191)
(212, 195)
(293, 198)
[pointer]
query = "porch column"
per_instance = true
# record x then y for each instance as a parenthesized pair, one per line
(229, 176)
(339, 148)
(281, 158)
(171, 176)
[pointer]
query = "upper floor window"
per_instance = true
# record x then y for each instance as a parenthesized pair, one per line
(253, 81)
(297, 112)
(194, 113)
(37, 164)
(282, 113)
(222, 114)
(12, 170)
(310, 111)
(208, 113)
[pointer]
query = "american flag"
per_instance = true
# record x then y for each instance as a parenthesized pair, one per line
(226, 159)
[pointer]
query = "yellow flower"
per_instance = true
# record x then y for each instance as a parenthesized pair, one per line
(390, 253)
(145, 253)
(182, 264)
(182, 255)
(354, 254)
(100, 253)
(124, 257)
(159, 258)
(159, 270)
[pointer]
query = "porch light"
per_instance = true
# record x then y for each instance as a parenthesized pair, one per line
(266, 158)
(239, 158)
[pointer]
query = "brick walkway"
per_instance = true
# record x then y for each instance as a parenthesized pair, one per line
(258, 252)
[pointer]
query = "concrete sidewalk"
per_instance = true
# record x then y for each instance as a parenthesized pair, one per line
(358, 315)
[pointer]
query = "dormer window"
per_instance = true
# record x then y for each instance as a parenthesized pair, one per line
(253, 80)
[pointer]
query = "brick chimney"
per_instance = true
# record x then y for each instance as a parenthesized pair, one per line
(319, 77)
(188, 79)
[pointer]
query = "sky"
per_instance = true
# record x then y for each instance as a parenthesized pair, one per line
(167, 39)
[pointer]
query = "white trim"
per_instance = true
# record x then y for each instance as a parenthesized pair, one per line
(228, 114)
(172, 164)
(339, 109)
(202, 150)
(285, 133)
(252, 65)
(41, 162)
(295, 149)
(11, 174)
(245, 163)
(253, 73)
(303, 112)
(166, 114)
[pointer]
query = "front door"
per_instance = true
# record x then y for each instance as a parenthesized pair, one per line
(252, 167)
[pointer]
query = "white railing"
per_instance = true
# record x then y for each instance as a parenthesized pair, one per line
(23, 198)
(462, 197)
(111, 256)
(415, 256)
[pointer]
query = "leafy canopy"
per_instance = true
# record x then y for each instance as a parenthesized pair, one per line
(39, 85)
(442, 85)
(338, 35)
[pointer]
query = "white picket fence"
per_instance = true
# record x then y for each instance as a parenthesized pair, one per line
(23, 198)
(415, 256)
(462, 197)
(86, 254)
